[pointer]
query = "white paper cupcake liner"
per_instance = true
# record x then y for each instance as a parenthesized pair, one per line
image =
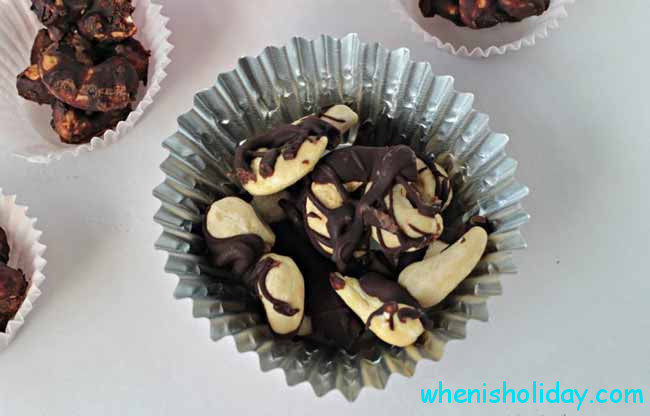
(482, 43)
(26, 254)
(399, 102)
(25, 126)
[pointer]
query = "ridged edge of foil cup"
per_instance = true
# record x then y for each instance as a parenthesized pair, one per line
(26, 254)
(17, 31)
(406, 103)
(541, 30)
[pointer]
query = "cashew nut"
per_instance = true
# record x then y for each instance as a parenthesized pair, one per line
(405, 331)
(288, 172)
(410, 220)
(231, 216)
(281, 289)
(432, 279)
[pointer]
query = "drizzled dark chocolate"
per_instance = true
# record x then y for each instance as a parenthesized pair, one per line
(333, 322)
(383, 168)
(239, 253)
(453, 234)
(392, 294)
(259, 276)
(284, 140)
(13, 288)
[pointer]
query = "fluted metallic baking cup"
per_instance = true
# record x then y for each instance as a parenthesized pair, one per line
(469, 43)
(399, 101)
(26, 254)
(25, 126)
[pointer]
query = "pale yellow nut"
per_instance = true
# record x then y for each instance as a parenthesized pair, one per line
(363, 305)
(341, 116)
(316, 220)
(232, 216)
(288, 172)
(432, 279)
(435, 248)
(387, 240)
(352, 186)
(327, 194)
(444, 173)
(268, 206)
(410, 220)
(285, 283)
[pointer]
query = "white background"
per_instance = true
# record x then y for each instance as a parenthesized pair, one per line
(107, 337)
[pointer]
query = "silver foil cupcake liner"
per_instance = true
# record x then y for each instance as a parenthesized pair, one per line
(399, 101)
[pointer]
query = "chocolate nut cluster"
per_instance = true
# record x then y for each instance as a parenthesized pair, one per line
(13, 286)
(85, 64)
(480, 14)
(342, 244)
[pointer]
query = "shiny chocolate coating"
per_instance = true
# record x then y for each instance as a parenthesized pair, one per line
(332, 321)
(108, 21)
(284, 140)
(68, 73)
(76, 126)
(59, 16)
(480, 14)
(13, 288)
(238, 254)
(379, 169)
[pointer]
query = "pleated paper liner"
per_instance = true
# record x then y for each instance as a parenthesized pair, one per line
(26, 254)
(25, 126)
(399, 101)
(483, 43)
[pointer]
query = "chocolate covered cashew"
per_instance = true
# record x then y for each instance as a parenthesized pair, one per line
(41, 42)
(235, 236)
(13, 288)
(134, 52)
(59, 16)
(479, 14)
(432, 279)
(29, 83)
(281, 288)
(521, 9)
(388, 310)
(76, 126)
(108, 21)
(446, 8)
(68, 72)
(387, 192)
(30, 86)
(270, 163)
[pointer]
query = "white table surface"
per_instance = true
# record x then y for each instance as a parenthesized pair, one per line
(108, 338)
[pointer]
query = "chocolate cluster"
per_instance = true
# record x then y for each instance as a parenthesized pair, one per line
(13, 286)
(342, 244)
(85, 64)
(480, 14)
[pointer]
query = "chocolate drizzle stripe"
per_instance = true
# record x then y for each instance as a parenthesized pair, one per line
(285, 140)
(260, 274)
